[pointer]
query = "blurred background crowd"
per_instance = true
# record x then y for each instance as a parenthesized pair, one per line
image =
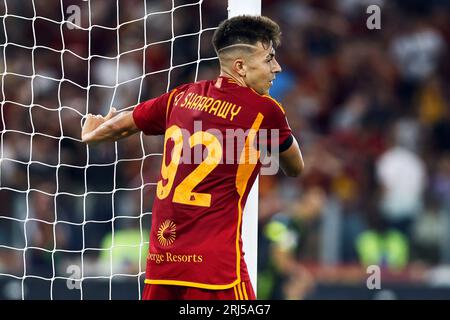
(369, 108)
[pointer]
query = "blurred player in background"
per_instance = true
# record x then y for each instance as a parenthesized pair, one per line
(195, 242)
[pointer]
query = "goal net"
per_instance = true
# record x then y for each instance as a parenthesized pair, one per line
(74, 219)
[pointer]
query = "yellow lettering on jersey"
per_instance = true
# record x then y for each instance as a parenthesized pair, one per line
(177, 98)
(158, 258)
(234, 113)
(207, 104)
(189, 103)
(169, 171)
(223, 111)
(183, 192)
(195, 102)
(170, 257)
(201, 103)
(215, 106)
(186, 99)
(219, 108)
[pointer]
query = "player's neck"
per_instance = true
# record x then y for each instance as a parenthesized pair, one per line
(238, 79)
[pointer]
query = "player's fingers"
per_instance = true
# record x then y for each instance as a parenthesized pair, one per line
(111, 113)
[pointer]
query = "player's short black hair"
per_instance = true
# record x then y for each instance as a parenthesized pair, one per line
(248, 30)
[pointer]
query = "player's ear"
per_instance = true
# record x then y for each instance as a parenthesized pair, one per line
(239, 67)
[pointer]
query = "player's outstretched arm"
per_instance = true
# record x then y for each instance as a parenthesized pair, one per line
(291, 160)
(111, 127)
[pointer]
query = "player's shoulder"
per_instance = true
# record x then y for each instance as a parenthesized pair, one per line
(181, 87)
(193, 85)
(268, 101)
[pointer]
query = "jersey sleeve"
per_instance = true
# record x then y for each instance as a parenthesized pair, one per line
(150, 116)
(278, 129)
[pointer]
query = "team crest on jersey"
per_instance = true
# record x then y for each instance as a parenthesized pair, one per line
(167, 232)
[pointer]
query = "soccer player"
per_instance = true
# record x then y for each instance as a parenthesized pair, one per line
(195, 243)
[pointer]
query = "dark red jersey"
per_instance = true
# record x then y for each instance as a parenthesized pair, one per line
(210, 163)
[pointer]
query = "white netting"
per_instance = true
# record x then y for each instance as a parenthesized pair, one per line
(69, 211)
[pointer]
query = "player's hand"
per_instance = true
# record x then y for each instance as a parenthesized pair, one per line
(94, 121)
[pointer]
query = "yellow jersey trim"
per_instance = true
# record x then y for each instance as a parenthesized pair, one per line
(243, 174)
(193, 284)
(168, 102)
(240, 292)
(238, 252)
(276, 102)
(269, 97)
(245, 291)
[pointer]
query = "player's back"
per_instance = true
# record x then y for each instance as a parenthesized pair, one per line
(209, 165)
